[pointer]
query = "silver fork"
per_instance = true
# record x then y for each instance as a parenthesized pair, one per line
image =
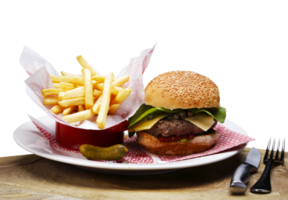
(263, 185)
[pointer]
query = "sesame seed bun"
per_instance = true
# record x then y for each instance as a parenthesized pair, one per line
(182, 89)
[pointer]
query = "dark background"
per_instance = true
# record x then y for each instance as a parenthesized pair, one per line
(234, 65)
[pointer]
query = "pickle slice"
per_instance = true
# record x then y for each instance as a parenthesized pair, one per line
(115, 152)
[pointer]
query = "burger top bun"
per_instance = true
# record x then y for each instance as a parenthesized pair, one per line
(182, 89)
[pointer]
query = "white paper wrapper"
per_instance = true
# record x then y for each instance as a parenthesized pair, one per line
(39, 69)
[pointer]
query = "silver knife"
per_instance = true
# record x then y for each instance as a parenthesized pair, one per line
(241, 176)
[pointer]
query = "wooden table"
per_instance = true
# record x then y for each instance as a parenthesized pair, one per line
(32, 177)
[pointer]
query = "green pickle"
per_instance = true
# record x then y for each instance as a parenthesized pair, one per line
(115, 152)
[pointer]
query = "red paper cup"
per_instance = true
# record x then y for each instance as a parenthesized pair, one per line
(72, 138)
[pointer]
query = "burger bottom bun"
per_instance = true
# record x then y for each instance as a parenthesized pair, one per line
(196, 144)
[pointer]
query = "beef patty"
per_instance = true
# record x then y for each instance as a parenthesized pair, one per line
(167, 127)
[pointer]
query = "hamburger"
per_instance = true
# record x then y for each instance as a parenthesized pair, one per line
(180, 111)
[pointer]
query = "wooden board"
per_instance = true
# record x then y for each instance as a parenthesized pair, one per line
(32, 177)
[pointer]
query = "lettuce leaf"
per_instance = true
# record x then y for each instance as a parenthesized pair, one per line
(144, 110)
(218, 113)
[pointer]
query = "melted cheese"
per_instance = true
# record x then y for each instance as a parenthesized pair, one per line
(145, 124)
(201, 120)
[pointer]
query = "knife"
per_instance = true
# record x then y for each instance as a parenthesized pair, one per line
(241, 176)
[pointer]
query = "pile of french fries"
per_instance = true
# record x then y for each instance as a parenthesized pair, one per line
(80, 97)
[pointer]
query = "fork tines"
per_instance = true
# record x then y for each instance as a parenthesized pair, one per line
(277, 159)
(263, 185)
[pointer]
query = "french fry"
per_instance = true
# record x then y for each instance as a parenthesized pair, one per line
(88, 88)
(69, 74)
(66, 73)
(80, 70)
(98, 86)
(115, 90)
(51, 91)
(78, 75)
(113, 108)
(121, 96)
(68, 110)
(56, 85)
(105, 102)
(79, 116)
(81, 108)
(96, 106)
(67, 86)
(75, 93)
(69, 79)
(50, 100)
(61, 96)
(120, 81)
(57, 109)
(85, 64)
(72, 102)
(98, 78)
(97, 93)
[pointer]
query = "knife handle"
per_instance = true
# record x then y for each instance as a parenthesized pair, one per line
(240, 178)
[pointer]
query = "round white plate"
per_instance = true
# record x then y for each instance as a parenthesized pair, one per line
(27, 134)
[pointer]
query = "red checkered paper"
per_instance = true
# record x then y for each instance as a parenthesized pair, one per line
(136, 154)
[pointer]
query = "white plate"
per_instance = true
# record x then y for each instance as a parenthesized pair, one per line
(28, 134)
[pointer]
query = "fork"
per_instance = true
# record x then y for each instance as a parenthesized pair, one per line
(263, 185)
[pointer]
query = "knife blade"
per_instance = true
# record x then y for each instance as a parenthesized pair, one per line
(241, 175)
